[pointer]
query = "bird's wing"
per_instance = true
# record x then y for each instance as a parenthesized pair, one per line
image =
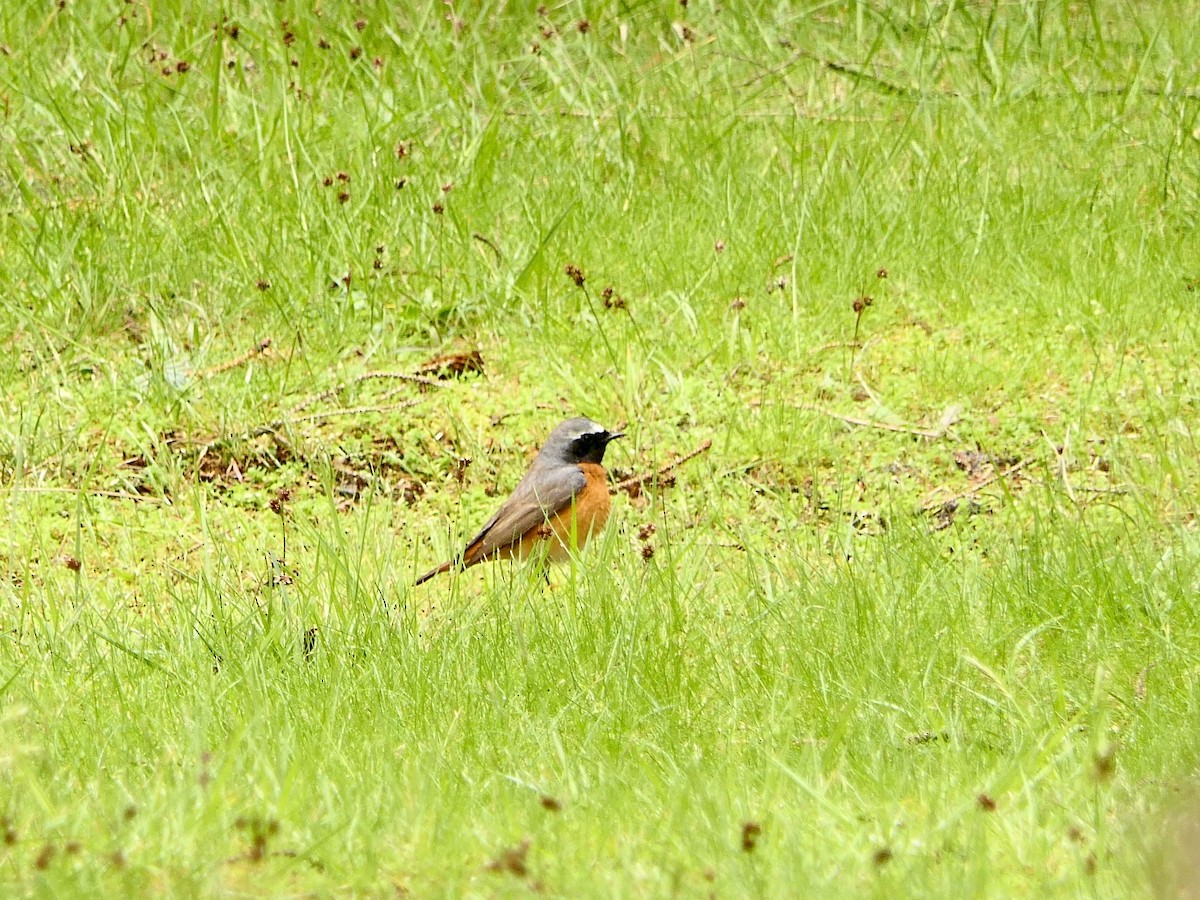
(541, 493)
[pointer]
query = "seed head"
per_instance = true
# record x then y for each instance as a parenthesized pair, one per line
(751, 832)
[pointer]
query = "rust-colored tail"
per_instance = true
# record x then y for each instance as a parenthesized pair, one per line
(444, 567)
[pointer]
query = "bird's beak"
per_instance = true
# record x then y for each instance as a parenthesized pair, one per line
(613, 435)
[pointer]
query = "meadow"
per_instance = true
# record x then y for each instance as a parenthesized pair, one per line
(896, 302)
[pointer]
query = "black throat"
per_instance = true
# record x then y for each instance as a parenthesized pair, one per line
(590, 447)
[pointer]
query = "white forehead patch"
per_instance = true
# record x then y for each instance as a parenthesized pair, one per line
(589, 428)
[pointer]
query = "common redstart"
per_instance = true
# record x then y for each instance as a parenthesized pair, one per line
(559, 504)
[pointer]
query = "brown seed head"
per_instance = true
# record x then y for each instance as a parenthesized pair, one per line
(882, 273)
(44, 857)
(861, 303)
(1104, 765)
(512, 860)
(583, 26)
(575, 274)
(751, 832)
(460, 469)
(279, 501)
(986, 802)
(438, 209)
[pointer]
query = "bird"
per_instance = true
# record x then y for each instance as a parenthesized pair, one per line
(560, 503)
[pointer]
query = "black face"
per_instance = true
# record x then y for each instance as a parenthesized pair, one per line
(590, 447)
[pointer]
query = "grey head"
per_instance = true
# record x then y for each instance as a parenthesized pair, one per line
(576, 441)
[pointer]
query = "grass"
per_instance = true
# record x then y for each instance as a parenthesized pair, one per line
(845, 660)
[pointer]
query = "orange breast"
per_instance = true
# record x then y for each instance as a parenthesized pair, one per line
(569, 528)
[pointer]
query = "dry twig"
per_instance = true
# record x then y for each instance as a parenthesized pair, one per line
(262, 348)
(116, 495)
(353, 411)
(934, 506)
(872, 423)
(366, 376)
(663, 470)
